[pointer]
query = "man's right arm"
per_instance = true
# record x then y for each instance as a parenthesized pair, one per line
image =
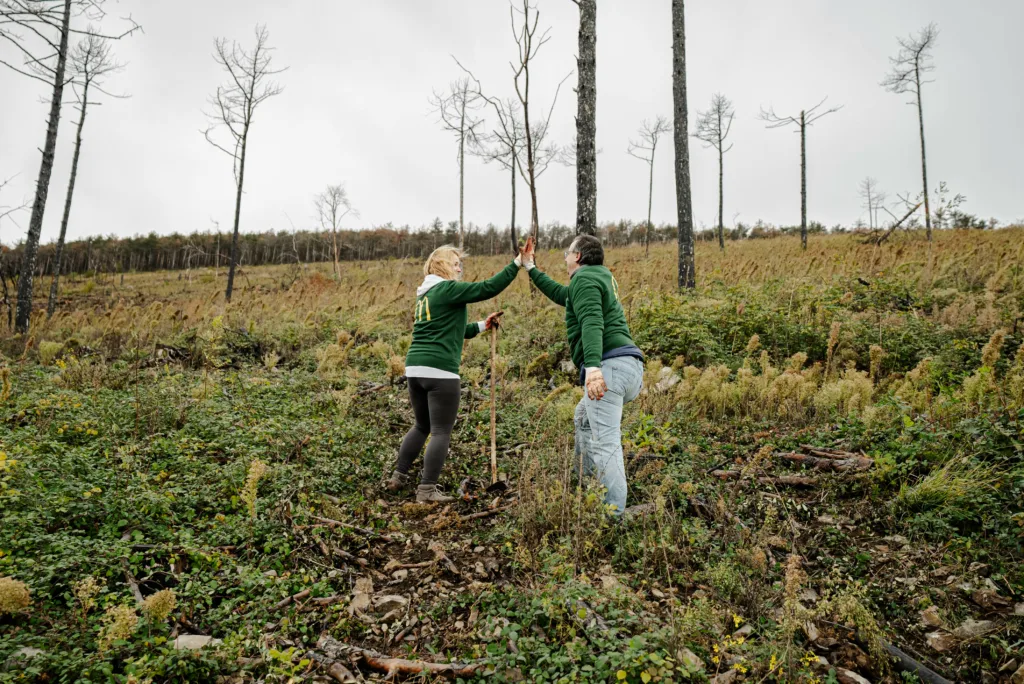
(553, 290)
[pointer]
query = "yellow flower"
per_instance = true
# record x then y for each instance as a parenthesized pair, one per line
(773, 664)
(737, 620)
(739, 667)
(715, 659)
(715, 648)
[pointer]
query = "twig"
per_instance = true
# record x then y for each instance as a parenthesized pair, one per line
(337, 523)
(485, 514)
(831, 463)
(791, 480)
(393, 666)
(288, 600)
(334, 669)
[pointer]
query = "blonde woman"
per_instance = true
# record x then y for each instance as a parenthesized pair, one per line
(432, 365)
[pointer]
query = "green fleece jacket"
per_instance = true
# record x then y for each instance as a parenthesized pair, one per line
(441, 327)
(594, 319)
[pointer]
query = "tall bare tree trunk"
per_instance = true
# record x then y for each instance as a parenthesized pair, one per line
(534, 220)
(721, 201)
(51, 304)
(687, 274)
(924, 164)
(35, 226)
(586, 121)
(337, 271)
(512, 230)
(238, 213)
(650, 199)
(803, 181)
(462, 167)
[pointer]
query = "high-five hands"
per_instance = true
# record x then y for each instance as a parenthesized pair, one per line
(526, 254)
(596, 386)
(493, 321)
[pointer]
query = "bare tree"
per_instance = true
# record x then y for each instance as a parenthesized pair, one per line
(332, 205)
(644, 150)
(684, 204)
(91, 61)
(39, 31)
(536, 150)
(806, 118)
(528, 44)
(874, 200)
(504, 146)
(586, 120)
(234, 104)
(456, 111)
(713, 127)
(909, 67)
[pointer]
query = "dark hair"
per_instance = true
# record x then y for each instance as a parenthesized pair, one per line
(590, 250)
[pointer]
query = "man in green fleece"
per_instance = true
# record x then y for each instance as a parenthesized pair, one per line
(610, 364)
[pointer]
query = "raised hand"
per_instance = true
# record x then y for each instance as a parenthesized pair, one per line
(529, 249)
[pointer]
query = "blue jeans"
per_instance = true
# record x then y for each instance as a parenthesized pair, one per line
(599, 428)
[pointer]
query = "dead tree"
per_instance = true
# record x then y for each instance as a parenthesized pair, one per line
(527, 144)
(909, 67)
(644, 150)
(332, 205)
(40, 31)
(455, 109)
(713, 127)
(873, 198)
(806, 118)
(234, 104)
(528, 44)
(684, 203)
(91, 61)
(586, 120)
(504, 146)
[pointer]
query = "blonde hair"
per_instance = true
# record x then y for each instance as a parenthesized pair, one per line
(442, 262)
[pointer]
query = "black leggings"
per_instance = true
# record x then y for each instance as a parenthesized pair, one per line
(435, 403)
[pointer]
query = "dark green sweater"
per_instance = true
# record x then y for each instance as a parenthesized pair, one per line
(594, 319)
(441, 327)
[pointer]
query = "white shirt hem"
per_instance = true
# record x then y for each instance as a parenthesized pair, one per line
(428, 372)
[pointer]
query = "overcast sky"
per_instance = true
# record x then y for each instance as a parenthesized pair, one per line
(355, 111)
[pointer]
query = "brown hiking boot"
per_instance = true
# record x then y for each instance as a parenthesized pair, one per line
(431, 494)
(397, 482)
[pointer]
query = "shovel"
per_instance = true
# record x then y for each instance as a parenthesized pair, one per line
(497, 486)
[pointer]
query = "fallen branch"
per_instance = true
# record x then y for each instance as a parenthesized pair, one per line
(334, 669)
(362, 530)
(853, 463)
(827, 453)
(288, 600)
(880, 239)
(393, 666)
(788, 480)
(485, 514)
(905, 663)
